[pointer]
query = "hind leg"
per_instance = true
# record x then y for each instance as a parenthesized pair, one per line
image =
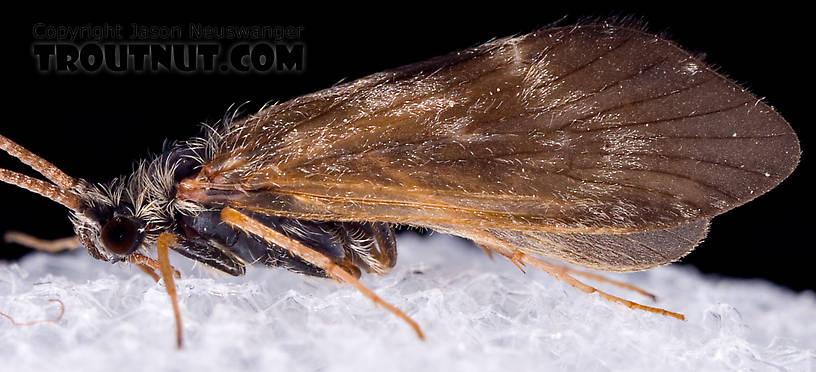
(603, 279)
(565, 274)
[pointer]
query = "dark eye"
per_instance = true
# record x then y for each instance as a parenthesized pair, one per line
(121, 235)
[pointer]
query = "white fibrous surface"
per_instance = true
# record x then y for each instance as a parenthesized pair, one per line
(478, 315)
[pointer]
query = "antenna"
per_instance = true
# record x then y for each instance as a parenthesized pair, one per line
(59, 191)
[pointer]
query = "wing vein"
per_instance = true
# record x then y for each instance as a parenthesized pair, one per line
(548, 84)
(672, 174)
(674, 157)
(636, 102)
(605, 87)
(697, 115)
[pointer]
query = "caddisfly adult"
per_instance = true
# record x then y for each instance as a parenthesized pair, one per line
(598, 145)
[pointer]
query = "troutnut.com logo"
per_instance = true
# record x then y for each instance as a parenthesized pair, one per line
(192, 48)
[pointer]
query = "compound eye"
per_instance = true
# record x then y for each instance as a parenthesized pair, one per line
(121, 235)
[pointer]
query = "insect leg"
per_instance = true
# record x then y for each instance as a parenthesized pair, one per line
(149, 271)
(519, 258)
(600, 278)
(51, 246)
(562, 273)
(244, 223)
(163, 244)
(149, 266)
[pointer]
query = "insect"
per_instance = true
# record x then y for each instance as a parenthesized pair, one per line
(599, 145)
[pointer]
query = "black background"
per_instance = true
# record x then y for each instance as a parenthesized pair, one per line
(94, 126)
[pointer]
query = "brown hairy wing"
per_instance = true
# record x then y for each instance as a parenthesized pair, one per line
(609, 252)
(587, 129)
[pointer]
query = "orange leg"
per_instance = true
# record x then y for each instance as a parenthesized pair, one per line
(149, 271)
(519, 258)
(600, 278)
(149, 266)
(563, 274)
(33, 322)
(163, 244)
(244, 223)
